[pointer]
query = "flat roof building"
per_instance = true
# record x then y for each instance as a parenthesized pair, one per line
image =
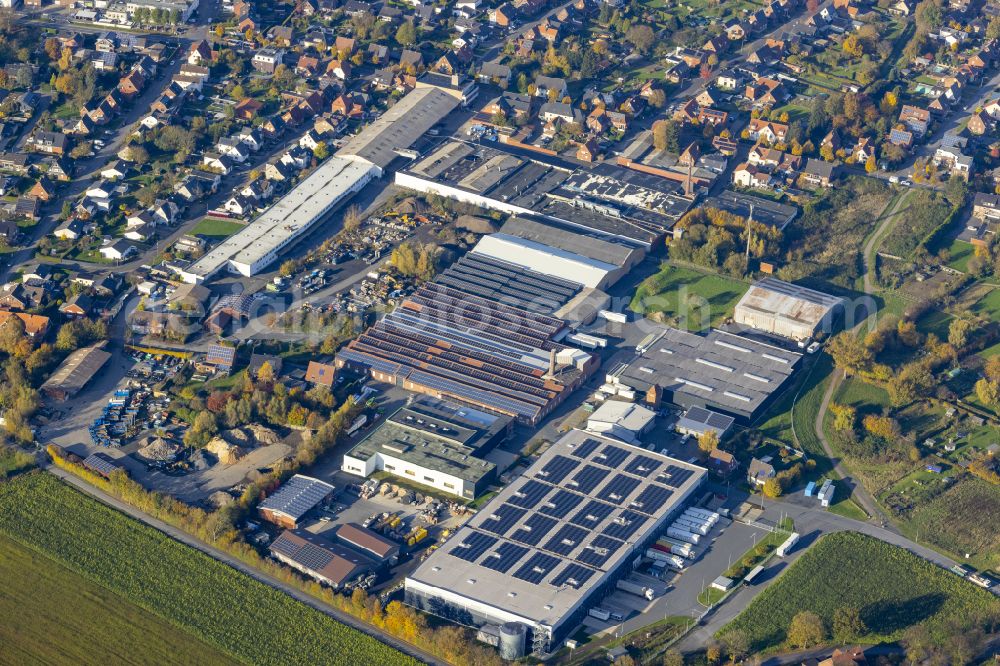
(788, 310)
(435, 443)
(622, 420)
(548, 260)
(604, 200)
(553, 542)
(697, 421)
(329, 563)
(721, 371)
(257, 245)
(294, 499)
(399, 128)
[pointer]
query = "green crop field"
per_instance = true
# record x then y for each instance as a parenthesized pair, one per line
(891, 588)
(188, 589)
(53, 616)
(688, 298)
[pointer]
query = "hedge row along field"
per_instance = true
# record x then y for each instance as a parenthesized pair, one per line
(892, 588)
(225, 608)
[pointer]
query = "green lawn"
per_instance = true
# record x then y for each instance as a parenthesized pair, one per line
(188, 589)
(688, 298)
(891, 588)
(216, 228)
(960, 252)
(861, 395)
(989, 305)
(54, 616)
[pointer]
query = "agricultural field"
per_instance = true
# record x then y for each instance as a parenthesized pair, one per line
(221, 606)
(891, 588)
(687, 298)
(53, 616)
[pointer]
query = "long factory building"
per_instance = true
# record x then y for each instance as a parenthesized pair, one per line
(364, 158)
(554, 542)
(454, 344)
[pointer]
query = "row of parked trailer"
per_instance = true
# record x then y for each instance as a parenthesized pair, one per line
(672, 551)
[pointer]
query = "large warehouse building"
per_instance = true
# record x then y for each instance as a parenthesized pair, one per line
(721, 371)
(451, 344)
(257, 245)
(547, 259)
(436, 443)
(788, 310)
(555, 541)
(365, 157)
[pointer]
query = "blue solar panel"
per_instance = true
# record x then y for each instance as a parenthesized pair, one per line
(611, 456)
(472, 546)
(587, 479)
(537, 568)
(624, 525)
(573, 575)
(530, 494)
(502, 519)
(599, 551)
(561, 503)
(558, 469)
(504, 557)
(643, 466)
(534, 529)
(677, 475)
(566, 539)
(592, 514)
(618, 489)
(651, 499)
(586, 447)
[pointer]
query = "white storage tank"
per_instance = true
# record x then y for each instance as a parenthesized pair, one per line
(513, 637)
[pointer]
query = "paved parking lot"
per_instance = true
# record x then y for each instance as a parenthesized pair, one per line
(723, 546)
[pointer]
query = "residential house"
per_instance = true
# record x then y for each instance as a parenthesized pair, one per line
(819, 173)
(52, 143)
(760, 129)
(751, 176)
(79, 305)
(118, 250)
(550, 87)
(759, 472)
(267, 60)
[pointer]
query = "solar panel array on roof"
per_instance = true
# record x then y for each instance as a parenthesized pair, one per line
(220, 355)
(557, 469)
(100, 464)
(284, 545)
(313, 557)
(625, 525)
(651, 499)
(504, 557)
(561, 503)
(612, 456)
(570, 520)
(573, 575)
(473, 545)
(530, 494)
(587, 479)
(537, 568)
(535, 528)
(676, 476)
(297, 496)
(618, 488)
(502, 519)
(642, 466)
(586, 448)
